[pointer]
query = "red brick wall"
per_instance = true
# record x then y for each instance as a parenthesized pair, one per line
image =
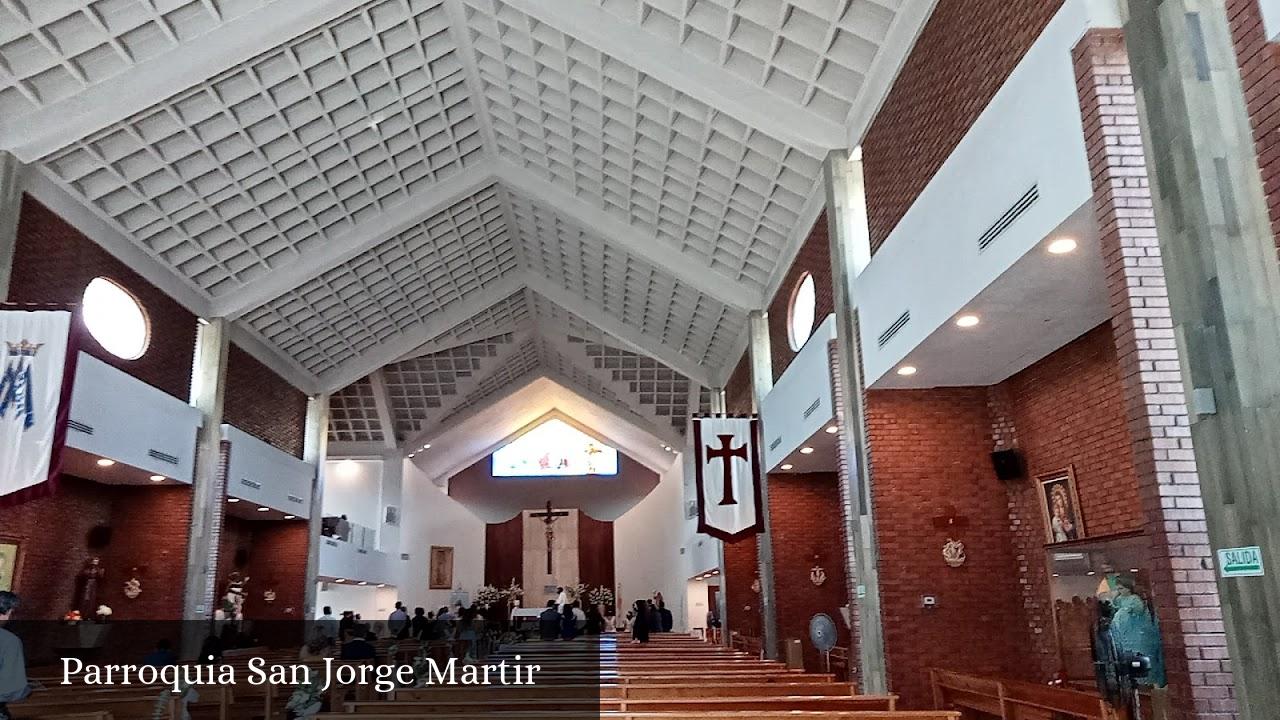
(1260, 71)
(1069, 410)
(54, 262)
(275, 558)
(742, 603)
(966, 51)
(263, 404)
(149, 532)
(929, 450)
(814, 258)
(805, 520)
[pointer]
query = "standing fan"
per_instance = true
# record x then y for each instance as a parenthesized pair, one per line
(822, 633)
(1117, 670)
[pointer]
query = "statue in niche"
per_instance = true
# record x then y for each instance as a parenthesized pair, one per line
(1133, 624)
(86, 600)
(233, 601)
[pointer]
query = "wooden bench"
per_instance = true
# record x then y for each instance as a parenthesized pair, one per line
(486, 706)
(1013, 700)
(691, 714)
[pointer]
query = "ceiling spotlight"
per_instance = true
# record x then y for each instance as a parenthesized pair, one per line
(290, 517)
(157, 478)
(786, 466)
(362, 582)
(340, 580)
(1062, 246)
(263, 509)
(427, 446)
(1091, 573)
(806, 451)
(381, 585)
(967, 321)
(104, 462)
(1056, 575)
(412, 454)
(233, 499)
(832, 429)
(907, 370)
(1134, 570)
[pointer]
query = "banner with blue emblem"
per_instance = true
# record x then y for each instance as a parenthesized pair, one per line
(37, 367)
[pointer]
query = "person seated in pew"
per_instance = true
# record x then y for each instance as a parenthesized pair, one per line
(360, 647)
(549, 622)
(420, 623)
(13, 664)
(162, 655)
(317, 648)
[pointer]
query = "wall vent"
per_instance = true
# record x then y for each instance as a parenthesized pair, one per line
(997, 228)
(80, 427)
(162, 457)
(893, 329)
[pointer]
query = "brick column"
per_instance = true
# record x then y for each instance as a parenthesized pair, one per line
(1182, 575)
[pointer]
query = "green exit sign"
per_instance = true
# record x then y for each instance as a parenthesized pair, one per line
(1240, 562)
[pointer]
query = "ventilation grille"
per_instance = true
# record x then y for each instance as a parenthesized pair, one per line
(894, 329)
(80, 427)
(162, 457)
(997, 228)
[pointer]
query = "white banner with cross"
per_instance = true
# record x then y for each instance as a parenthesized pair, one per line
(37, 365)
(728, 473)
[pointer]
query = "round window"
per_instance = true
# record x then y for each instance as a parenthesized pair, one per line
(115, 319)
(800, 316)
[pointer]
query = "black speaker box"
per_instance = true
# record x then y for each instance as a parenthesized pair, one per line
(1008, 465)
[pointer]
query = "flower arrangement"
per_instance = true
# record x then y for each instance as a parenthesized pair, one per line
(602, 596)
(488, 596)
(579, 591)
(103, 613)
(512, 592)
(72, 616)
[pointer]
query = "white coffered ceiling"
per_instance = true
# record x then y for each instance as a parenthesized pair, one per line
(420, 204)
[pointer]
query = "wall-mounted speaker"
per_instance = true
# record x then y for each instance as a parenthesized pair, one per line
(1008, 465)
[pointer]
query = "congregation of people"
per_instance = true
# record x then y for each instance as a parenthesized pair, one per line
(564, 619)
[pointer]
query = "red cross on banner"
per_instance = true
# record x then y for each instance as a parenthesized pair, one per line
(727, 471)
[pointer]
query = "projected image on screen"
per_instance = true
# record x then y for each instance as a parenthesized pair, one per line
(554, 448)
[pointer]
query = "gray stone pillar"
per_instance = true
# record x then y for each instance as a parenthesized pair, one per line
(722, 608)
(1224, 292)
(850, 253)
(761, 360)
(209, 489)
(10, 209)
(315, 444)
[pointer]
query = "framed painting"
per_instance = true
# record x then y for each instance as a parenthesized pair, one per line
(440, 576)
(1063, 521)
(10, 562)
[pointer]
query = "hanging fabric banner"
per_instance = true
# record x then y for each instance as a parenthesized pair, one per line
(37, 359)
(727, 460)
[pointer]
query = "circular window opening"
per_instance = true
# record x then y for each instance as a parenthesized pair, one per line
(115, 319)
(801, 314)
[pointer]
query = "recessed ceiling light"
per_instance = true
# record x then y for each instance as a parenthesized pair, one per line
(1091, 573)
(907, 370)
(381, 585)
(832, 429)
(157, 478)
(412, 454)
(104, 462)
(427, 446)
(290, 517)
(806, 451)
(263, 509)
(1062, 246)
(340, 580)
(1056, 575)
(362, 582)
(233, 499)
(967, 321)
(1134, 570)
(787, 466)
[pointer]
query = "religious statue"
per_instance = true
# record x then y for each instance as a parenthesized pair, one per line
(86, 600)
(1133, 625)
(233, 601)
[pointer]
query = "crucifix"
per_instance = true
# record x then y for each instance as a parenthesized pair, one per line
(725, 454)
(549, 516)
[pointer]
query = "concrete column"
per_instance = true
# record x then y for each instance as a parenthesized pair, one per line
(314, 448)
(722, 607)
(10, 208)
(761, 383)
(850, 253)
(209, 490)
(1219, 255)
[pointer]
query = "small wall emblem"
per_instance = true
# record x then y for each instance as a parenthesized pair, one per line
(953, 553)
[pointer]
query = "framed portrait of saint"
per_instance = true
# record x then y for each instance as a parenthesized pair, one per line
(10, 562)
(1063, 521)
(440, 575)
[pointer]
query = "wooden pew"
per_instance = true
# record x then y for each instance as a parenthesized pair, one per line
(1012, 700)
(489, 705)
(687, 715)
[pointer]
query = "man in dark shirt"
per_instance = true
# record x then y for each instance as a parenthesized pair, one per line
(13, 664)
(549, 622)
(420, 624)
(360, 647)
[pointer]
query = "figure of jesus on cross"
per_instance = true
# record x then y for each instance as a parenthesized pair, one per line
(549, 516)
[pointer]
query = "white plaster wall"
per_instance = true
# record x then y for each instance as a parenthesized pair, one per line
(696, 604)
(647, 542)
(372, 603)
(430, 517)
(354, 488)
